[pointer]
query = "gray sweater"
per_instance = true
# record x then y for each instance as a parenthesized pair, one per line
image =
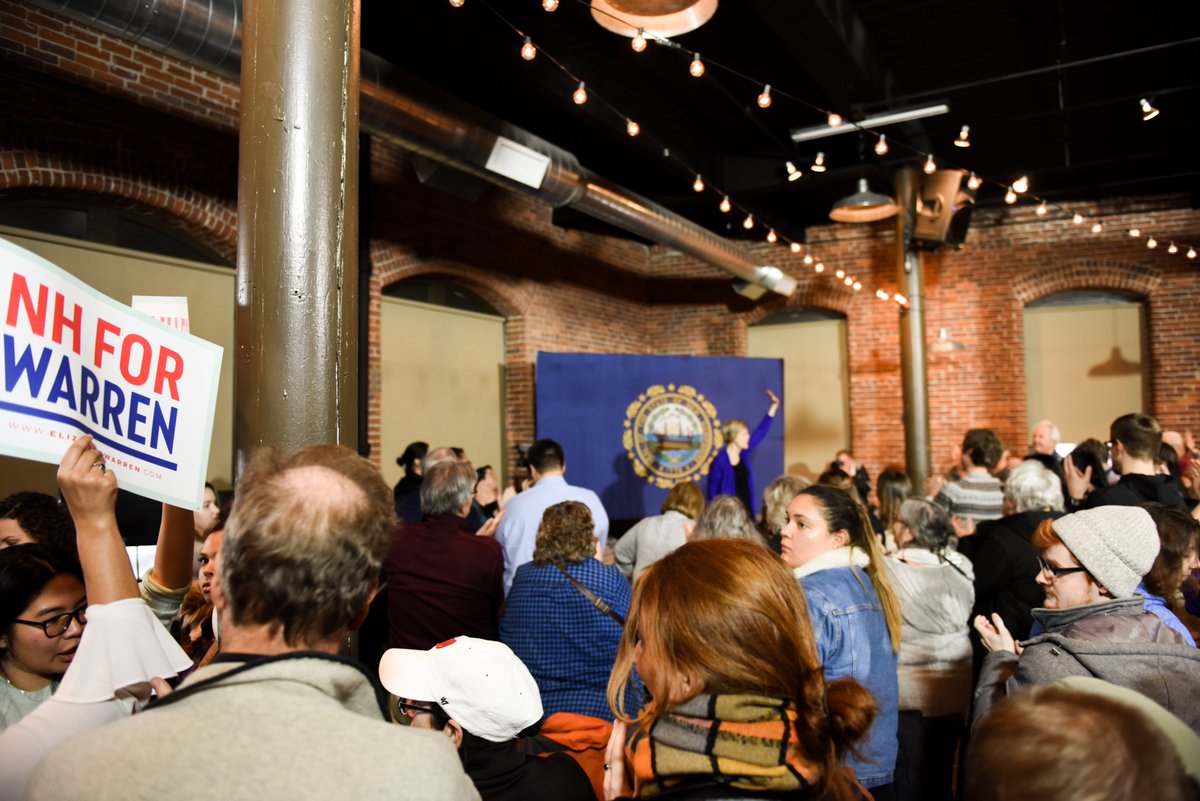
(1116, 641)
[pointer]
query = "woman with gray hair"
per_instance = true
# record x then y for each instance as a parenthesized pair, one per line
(934, 585)
(726, 517)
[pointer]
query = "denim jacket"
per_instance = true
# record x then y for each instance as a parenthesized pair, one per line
(853, 640)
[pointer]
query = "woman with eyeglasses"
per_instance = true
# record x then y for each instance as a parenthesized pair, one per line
(1095, 623)
(42, 615)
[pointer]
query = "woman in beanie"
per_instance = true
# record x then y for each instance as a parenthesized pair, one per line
(1094, 622)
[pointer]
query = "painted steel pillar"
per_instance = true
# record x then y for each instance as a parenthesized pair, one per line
(296, 326)
(910, 279)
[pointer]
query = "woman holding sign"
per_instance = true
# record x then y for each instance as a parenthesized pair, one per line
(729, 473)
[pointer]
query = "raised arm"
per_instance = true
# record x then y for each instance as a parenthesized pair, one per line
(173, 557)
(91, 495)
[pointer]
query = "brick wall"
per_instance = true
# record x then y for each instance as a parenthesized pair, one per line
(85, 115)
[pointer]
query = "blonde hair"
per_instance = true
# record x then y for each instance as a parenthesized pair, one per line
(731, 428)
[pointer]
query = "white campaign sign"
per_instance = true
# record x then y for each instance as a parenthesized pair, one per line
(78, 362)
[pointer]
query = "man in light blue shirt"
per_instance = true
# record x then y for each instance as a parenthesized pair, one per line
(517, 532)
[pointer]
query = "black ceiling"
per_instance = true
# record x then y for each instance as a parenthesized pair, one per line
(1076, 130)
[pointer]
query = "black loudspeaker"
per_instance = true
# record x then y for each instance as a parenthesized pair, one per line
(944, 209)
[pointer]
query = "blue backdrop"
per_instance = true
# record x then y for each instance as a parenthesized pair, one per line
(632, 426)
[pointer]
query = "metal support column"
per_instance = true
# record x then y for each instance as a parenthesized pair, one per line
(910, 279)
(296, 327)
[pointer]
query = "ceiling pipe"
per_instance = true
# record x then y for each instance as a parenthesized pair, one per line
(422, 118)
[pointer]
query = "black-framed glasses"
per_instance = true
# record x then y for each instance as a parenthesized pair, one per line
(412, 710)
(1056, 571)
(57, 625)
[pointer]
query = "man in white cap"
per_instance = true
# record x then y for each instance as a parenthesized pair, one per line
(1094, 622)
(483, 697)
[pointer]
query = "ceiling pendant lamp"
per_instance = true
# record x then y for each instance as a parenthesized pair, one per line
(863, 206)
(662, 19)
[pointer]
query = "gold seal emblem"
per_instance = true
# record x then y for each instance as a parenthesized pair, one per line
(670, 434)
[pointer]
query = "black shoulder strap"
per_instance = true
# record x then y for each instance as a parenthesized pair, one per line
(596, 600)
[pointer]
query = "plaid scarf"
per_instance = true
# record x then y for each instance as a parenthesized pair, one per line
(744, 741)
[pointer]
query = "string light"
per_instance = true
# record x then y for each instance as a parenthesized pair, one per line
(840, 273)
(638, 43)
(930, 165)
(631, 127)
(1041, 209)
(725, 204)
(879, 293)
(858, 286)
(819, 267)
(792, 172)
(962, 140)
(848, 281)
(1135, 232)
(1152, 243)
(771, 237)
(696, 68)
(1172, 248)
(528, 51)
(550, 5)
(1077, 218)
(818, 164)
(1097, 227)
(764, 98)
(666, 152)
(808, 259)
(698, 184)
(974, 182)
(1149, 112)
(1021, 185)
(579, 95)
(748, 223)
(1191, 254)
(903, 301)
(881, 147)
(795, 246)
(1010, 197)
(834, 119)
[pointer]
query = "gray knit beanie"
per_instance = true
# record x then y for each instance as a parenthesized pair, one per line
(1117, 544)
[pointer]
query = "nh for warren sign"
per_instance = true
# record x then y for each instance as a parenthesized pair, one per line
(76, 361)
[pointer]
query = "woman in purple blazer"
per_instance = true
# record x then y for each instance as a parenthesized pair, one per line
(729, 473)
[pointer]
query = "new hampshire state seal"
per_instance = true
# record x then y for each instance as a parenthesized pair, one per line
(670, 434)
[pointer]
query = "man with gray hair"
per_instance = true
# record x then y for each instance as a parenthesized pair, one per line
(442, 579)
(1006, 566)
(281, 712)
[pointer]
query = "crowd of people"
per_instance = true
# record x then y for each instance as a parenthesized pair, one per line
(1015, 628)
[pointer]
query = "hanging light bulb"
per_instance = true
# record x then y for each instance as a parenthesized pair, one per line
(725, 204)
(1010, 197)
(1021, 184)
(974, 182)
(819, 267)
(1191, 254)
(1172, 248)
(903, 301)
(638, 43)
(696, 68)
(748, 223)
(1097, 228)
(1041, 210)
(771, 237)
(834, 119)
(457, 3)
(1149, 112)
(930, 165)
(1135, 232)
(879, 293)
(631, 127)
(579, 95)
(698, 184)
(1152, 243)
(666, 152)
(528, 51)
(795, 246)
(962, 140)
(881, 147)
(818, 164)
(550, 5)
(848, 281)
(1077, 218)
(808, 259)
(858, 286)
(840, 273)
(764, 97)
(793, 173)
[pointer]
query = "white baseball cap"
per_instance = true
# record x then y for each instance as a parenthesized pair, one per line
(479, 683)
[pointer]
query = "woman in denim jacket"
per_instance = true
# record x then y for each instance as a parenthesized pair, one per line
(829, 543)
